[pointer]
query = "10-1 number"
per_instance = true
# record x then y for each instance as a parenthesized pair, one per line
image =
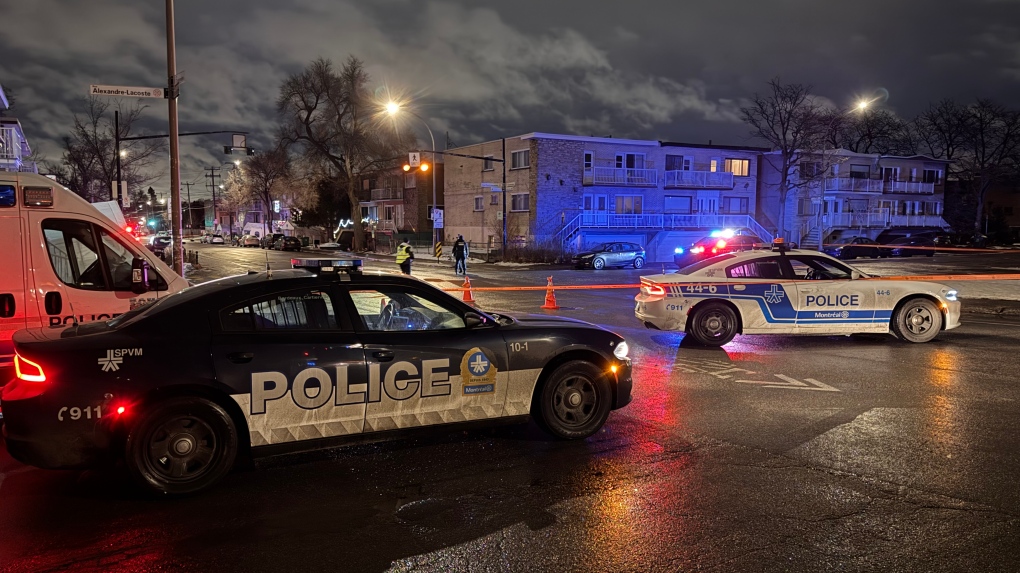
(518, 346)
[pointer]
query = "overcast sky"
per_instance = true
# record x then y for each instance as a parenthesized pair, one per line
(648, 69)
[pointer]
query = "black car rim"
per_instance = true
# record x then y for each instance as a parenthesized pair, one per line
(714, 323)
(919, 320)
(575, 401)
(181, 449)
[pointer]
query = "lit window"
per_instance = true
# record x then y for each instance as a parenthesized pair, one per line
(738, 167)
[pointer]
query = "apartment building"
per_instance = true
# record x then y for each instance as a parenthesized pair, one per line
(573, 191)
(399, 202)
(14, 148)
(841, 193)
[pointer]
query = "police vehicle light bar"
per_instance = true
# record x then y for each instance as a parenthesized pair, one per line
(327, 265)
(779, 245)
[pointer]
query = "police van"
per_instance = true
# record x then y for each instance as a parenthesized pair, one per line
(295, 359)
(64, 262)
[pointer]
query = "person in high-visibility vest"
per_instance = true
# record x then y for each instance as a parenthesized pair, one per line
(404, 257)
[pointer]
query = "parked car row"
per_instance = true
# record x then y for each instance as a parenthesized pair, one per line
(853, 247)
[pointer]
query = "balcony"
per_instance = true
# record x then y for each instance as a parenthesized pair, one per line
(699, 179)
(853, 185)
(387, 194)
(918, 187)
(665, 221)
(880, 219)
(625, 177)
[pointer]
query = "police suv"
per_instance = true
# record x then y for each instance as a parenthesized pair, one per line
(295, 359)
(782, 291)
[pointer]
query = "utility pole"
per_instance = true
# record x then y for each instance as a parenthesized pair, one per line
(212, 175)
(188, 184)
(175, 157)
(116, 148)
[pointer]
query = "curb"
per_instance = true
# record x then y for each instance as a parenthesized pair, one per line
(990, 306)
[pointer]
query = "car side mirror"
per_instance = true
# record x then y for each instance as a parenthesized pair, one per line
(854, 275)
(139, 275)
(472, 319)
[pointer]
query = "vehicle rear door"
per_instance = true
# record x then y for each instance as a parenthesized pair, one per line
(761, 289)
(424, 366)
(13, 309)
(293, 364)
(828, 299)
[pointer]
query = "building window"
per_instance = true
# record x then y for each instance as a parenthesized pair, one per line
(677, 204)
(410, 181)
(520, 159)
(519, 201)
(589, 160)
(487, 163)
(479, 203)
(933, 176)
(806, 206)
(734, 205)
(860, 171)
(678, 163)
(494, 200)
(630, 161)
(389, 213)
(256, 217)
(809, 169)
(628, 204)
(738, 167)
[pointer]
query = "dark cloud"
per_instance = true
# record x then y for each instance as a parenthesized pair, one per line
(477, 70)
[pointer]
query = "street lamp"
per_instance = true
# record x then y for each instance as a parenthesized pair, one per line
(393, 108)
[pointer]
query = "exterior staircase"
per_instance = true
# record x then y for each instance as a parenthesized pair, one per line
(812, 241)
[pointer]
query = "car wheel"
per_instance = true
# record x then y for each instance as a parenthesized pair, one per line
(713, 324)
(575, 400)
(639, 262)
(598, 264)
(181, 446)
(918, 320)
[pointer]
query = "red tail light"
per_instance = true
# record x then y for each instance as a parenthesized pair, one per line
(653, 289)
(27, 370)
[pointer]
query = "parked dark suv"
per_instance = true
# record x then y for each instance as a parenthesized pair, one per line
(287, 244)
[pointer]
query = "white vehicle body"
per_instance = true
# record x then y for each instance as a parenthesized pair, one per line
(55, 273)
(792, 292)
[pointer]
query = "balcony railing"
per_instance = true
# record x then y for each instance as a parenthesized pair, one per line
(909, 187)
(700, 179)
(595, 220)
(853, 185)
(387, 194)
(880, 218)
(626, 177)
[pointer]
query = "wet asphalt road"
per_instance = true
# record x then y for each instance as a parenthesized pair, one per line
(772, 454)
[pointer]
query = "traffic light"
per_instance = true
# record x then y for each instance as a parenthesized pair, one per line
(251, 151)
(423, 167)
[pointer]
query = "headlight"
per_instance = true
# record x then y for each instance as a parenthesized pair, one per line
(587, 256)
(621, 350)
(951, 295)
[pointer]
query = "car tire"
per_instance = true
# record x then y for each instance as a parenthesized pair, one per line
(575, 400)
(598, 263)
(639, 262)
(713, 324)
(193, 437)
(917, 320)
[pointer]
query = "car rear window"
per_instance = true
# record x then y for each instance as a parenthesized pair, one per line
(691, 269)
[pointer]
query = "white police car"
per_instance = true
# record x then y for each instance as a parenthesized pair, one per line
(783, 291)
(295, 359)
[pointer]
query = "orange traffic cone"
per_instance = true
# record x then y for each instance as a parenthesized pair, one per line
(468, 298)
(550, 297)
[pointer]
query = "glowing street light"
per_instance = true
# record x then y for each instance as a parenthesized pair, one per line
(393, 108)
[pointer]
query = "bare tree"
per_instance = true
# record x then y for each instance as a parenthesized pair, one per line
(868, 131)
(991, 150)
(89, 162)
(794, 124)
(329, 113)
(262, 179)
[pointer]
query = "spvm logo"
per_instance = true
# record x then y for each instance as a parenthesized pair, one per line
(115, 357)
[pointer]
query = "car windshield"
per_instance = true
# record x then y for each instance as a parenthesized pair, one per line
(845, 241)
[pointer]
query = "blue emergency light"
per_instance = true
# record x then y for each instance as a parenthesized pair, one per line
(351, 266)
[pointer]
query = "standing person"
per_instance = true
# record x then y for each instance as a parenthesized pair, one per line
(404, 257)
(460, 253)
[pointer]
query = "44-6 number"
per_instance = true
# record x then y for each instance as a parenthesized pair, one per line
(702, 288)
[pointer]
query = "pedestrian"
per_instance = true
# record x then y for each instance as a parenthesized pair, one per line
(404, 257)
(460, 253)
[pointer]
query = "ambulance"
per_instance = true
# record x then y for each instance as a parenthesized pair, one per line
(63, 262)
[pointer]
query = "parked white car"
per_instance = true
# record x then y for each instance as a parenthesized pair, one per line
(783, 291)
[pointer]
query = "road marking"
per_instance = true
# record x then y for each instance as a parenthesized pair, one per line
(717, 368)
(792, 384)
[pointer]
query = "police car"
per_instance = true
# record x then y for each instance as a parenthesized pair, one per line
(302, 358)
(782, 291)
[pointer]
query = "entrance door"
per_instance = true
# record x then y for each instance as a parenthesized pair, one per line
(708, 202)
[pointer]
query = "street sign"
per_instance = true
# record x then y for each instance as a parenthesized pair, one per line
(127, 91)
(437, 218)
(414, 159)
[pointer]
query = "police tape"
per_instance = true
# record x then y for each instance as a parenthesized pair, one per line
(924, 278)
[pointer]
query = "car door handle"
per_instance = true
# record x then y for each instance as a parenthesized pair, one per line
(383, 355)
(240, 357)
